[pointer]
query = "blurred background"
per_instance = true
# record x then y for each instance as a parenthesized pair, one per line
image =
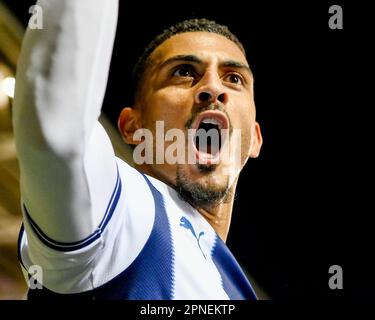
(305, 203)
(12, 285)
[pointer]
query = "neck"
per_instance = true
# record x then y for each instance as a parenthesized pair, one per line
(219, 216)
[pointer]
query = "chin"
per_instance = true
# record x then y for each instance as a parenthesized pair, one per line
(203, 187)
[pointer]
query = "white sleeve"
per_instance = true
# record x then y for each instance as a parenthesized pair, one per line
(85, 265)
(67, 163)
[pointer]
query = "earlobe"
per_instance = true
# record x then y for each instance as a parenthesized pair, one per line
(257, 141)
(128, 123)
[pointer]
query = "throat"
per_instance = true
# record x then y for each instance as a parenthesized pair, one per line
(219, 218)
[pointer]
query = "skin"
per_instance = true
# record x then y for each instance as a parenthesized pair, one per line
(172, 91)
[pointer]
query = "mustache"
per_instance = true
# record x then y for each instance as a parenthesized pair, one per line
(211, 106)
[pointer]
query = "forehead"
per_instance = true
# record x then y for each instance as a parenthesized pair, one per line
(205, 45)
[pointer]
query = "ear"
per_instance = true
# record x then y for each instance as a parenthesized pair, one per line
(128, 123)
(257, 141)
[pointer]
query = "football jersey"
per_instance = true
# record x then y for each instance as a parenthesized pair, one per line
(150, 245)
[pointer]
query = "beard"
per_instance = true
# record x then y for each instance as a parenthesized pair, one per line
(198, 195)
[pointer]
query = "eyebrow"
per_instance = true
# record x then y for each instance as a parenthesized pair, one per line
(182, 58)
(237, 65)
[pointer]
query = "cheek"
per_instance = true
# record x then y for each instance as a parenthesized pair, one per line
(171, 106)
(244, 120)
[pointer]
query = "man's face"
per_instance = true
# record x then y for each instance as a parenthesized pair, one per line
(201, 80)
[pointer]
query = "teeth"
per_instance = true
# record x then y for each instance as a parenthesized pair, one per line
(212, 121)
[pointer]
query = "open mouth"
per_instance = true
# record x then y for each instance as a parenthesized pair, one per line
(211, 130)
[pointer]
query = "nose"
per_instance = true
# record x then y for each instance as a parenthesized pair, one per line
(211, 89)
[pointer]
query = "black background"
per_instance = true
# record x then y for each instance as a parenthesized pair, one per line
(304, 204)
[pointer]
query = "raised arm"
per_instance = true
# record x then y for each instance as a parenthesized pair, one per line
(68, 168)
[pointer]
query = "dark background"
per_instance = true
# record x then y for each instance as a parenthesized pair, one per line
(305, 203)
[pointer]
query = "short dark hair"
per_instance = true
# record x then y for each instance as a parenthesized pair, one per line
(191, 25)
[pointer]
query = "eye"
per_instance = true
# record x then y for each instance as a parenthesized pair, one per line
(234, 78)
(183, 71)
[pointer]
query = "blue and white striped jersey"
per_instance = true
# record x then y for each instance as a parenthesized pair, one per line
(149, 245)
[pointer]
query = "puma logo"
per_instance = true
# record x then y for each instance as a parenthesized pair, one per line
(186, 224)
